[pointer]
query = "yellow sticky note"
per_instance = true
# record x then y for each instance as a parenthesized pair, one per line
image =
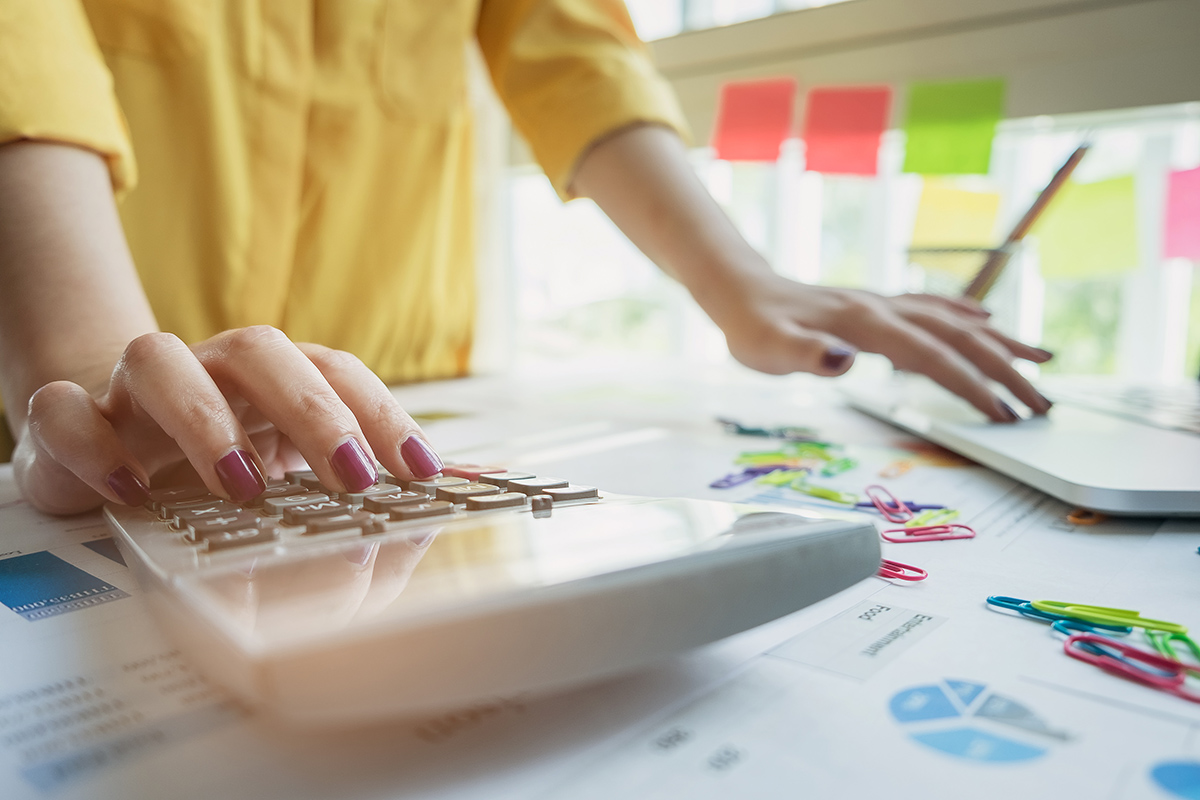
(1089, 230)
(952, 217)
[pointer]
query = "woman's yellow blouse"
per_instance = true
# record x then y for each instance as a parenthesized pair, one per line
(308, 163)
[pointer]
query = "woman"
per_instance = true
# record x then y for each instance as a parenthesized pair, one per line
(305, 176)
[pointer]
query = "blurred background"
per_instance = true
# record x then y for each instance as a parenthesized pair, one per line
(1094, 282)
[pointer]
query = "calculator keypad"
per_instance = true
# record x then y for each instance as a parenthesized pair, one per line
(300, 509)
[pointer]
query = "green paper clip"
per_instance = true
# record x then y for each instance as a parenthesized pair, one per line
(1164, 643)
(839, 465)
(1104, 615)
(781, 477)
(934, 516)
(833, 495)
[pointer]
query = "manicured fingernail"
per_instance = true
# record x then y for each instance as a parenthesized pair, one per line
(128, 486)
(1007, 411)
(1046, 404)
(353, 467)
(420, 457)
(240, 476)
(835, 358)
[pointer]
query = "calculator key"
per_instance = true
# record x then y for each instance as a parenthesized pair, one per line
(360, 520)
(572, 492)
(282, 490)
(383, 503)
(167, 509)
(533, 486)
(294, 475)
(304, 512)
(460, 492)
(197, 530)
(541, 505)
(357, 497)
(431, 485)
(469, 471)
(490, 501)
(181, 517)
(184, 493)
(501, 479)
(238, 537)
(275, 505)
(277, 482)
(433, 508)
(313, 484)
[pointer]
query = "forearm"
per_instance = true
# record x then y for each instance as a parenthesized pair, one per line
(641, 178)
(71, 297)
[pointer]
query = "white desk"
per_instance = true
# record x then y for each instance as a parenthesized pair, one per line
(94, 705)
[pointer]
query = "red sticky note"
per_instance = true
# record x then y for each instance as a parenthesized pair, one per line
(842, 129)
(753, 119)
(1183, 215)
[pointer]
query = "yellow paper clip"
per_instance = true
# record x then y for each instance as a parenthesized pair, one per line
(833, 495)
(1103, 615)
(934, 516)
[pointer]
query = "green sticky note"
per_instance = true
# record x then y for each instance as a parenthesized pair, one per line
(1089, 230)
(950, 126)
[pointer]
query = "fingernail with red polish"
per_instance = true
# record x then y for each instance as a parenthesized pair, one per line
(1007, 411)
(240, 476)
(835, 358)
(351, 464)
(420, 457)
(127, 486)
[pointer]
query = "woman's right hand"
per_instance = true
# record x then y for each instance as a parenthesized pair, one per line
(228, 411)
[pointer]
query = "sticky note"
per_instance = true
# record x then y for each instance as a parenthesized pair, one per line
(1182, 238)
(949, 127)
(753, 119)
(1089, 230)
(951, 217)
(842, 129)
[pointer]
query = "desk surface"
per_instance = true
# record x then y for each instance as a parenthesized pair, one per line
(890, 690)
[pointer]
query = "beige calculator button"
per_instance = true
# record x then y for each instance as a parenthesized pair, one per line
(541, 505)
(275, 505)
(488, 501)
(238, 537)
(200, 529)
(361, 520)
(383, 503)
(533, 486)
(501, 479)
(431, 509)
(430, 485)
(303, 512)
(357, 498)
(572, 492)
(460, 493)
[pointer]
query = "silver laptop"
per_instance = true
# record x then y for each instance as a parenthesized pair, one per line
(1109, 447)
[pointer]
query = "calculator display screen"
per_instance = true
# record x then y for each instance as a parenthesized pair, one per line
(431, 569)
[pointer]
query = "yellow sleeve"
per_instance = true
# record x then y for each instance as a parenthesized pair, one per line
(569, 72)
(55, 86)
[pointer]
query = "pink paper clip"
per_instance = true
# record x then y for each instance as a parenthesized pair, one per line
(929, 533)
(893, 509)
(894, 570)
(1154, 671)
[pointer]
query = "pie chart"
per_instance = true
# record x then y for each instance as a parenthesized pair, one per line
(966, 720)
(1179, 778)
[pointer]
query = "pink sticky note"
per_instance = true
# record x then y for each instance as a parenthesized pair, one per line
(842, 128)
(753, 119)
(1183, 215)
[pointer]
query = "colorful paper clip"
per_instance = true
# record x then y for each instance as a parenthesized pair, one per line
(1147, 668)
(1026, 609)
(1085, 516)
(1165, 644)
(933, 517)
(894, 570)
(1107, 616)
(929, 533)
(893, 509)
(833, 495)
(782, 477)
(839, 465)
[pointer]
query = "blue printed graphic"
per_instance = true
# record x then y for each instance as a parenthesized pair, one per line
(1180, 778)
(965, 720)
(41, 585)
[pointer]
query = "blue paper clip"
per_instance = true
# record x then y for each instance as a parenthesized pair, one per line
(1025, 609)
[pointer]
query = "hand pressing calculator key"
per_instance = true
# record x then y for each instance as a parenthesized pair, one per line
(419, 596)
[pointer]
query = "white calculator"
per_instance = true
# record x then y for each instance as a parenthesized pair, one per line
(421, 596)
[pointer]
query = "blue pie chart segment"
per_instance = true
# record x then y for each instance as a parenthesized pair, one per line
(1180, 778)
(963, 719)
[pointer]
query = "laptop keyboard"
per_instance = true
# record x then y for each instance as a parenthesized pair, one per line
(1173, 407)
